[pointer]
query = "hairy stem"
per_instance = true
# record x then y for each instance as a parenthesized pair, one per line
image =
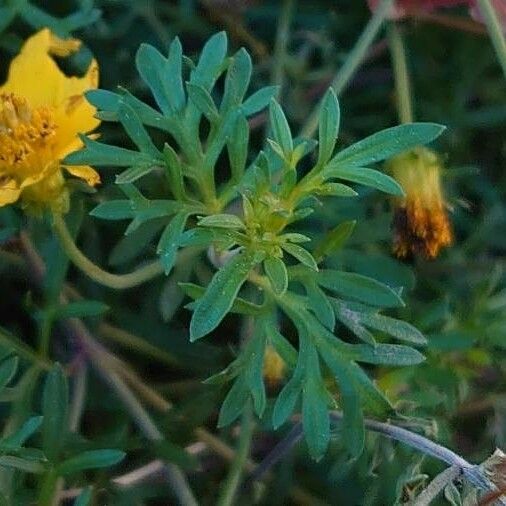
(495, 31)
(403, 94)
(352, 63)
(115, 281)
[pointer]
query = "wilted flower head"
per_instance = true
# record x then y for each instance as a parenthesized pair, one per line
(274, 367)
(41, 112)
(421, 224)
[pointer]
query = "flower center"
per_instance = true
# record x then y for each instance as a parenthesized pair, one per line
(25, 135)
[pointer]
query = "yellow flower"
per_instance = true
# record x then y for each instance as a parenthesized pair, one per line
(274, 367)
(421, 224)
(41, 112)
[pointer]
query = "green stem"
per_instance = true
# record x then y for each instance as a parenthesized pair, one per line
(495, 31)
(137, 344)
(352, 63)
(115, 281)
(233, 480)
(281, 44)
(403, 93)
(47, 496)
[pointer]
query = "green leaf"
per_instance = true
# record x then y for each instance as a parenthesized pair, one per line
(211, 59)
(301, 254)
(104, 155)
(222, 221)
(136, 131)
(80, 309)
(25, 465)
(334, 240)
(366, 177)
(387, 143)
(336, 190)
(280, 129)
(320, 305)
(352, 320)
(134, 173)
(396, 328)
(373, 400)
(174, 171)
(204, 102)
(315, 416)
(114, 210)
(285, 403)
(237, 80)
(388, 354)
(8, 368)
(85, 497)
(54, 411)
(358, 287)
(353, 434)
(19, 438)
(286, 351)
(234, 402)
(108, 105)
(154, 69)
(276, 271)
(170, 240)
(237, 148)
(259, 100)
(221, 293)
(329, 126)
(173, 76)
(254, 370)
(240, 306)
(92, 459)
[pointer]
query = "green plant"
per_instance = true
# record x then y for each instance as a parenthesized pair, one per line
(257, 250)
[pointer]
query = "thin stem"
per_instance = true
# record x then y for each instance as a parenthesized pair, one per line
(278, 452)
(403, 94)
(78, 398)
(136, 343)
(352, 63)
(435, 487)
(115, 281)
(495, 31)
(281, 44)
(175, 477)
(231, 486)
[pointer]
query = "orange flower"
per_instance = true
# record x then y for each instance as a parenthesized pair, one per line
(421, 224)
(41, 113)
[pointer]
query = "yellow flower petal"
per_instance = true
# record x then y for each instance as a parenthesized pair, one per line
(34, 74)
(85, 172)
(9, 191)
(42, 111)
